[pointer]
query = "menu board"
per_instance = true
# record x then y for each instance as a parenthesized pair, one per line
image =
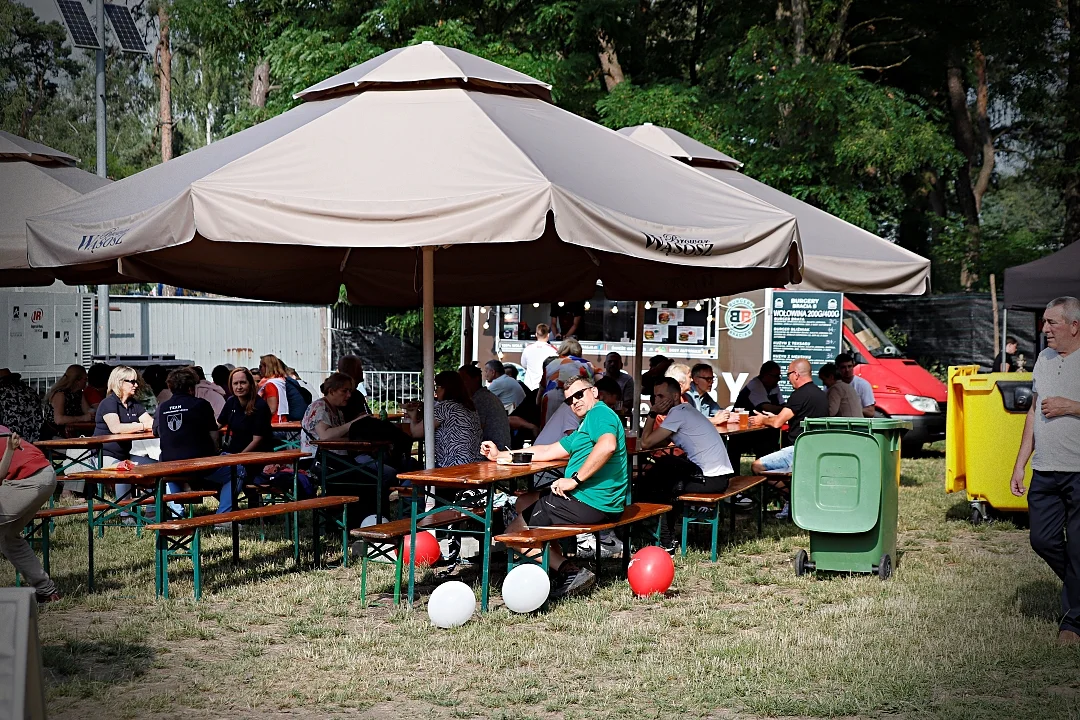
(667, 322)
(806, 325)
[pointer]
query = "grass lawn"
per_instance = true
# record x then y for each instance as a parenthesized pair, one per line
(966, 628)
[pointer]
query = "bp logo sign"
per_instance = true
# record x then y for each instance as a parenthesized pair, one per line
(740, 318)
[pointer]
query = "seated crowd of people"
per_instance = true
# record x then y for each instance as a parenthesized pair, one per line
(563, 408)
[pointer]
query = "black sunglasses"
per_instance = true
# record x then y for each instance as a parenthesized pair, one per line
(577, 396)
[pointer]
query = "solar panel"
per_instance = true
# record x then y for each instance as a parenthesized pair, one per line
(130, 39)
(82, 32)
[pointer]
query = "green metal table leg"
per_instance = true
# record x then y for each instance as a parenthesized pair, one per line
(486, 549)
(686, 528)
(344, 536)
(363, 573)
(316, 518)
(90, 537)
(418, 491)
(715, 523)
(196, 563)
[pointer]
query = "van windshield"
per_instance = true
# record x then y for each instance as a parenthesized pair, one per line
(869, 334)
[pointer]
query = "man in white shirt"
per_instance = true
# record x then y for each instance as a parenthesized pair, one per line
(506, 388)
(705, 467)
(533, 356)
(1051, 440)
(845, 367)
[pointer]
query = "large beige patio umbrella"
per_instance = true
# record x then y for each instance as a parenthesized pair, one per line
(837, 255)
(35, 178)
(426, 160)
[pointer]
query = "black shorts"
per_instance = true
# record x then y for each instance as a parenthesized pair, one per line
(552, 509)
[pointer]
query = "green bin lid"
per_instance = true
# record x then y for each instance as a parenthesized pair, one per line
(863, 425)
(836, 481)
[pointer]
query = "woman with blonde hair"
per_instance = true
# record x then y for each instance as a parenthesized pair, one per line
(121, 414)
(65, 403)
(272, 387)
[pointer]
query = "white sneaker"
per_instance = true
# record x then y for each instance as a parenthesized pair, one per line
(610, 545)
(785, 512)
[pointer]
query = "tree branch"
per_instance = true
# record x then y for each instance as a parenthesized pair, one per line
(799, 11)
(881, 68)
(871, 21)
(882, 43)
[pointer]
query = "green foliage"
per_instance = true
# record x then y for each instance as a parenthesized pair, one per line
(33, 63)
(409, 325)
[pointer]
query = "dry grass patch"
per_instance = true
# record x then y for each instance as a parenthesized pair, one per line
(964, 629)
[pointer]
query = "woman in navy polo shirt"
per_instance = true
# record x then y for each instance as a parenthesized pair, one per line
(120, 414)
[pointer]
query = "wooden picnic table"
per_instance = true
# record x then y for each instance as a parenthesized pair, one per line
(341, 454)
(484, 476)
(148, 481)
(91, 446)
(290, 431)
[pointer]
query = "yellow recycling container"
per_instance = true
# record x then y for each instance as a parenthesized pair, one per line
(984, 422)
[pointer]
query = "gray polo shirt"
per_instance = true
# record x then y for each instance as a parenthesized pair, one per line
(1057, 440)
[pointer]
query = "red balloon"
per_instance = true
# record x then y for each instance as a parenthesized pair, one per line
(428, 551)
(651, 571)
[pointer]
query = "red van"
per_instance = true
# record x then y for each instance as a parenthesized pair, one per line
(903, 389)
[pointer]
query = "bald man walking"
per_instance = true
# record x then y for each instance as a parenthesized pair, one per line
(807, 401)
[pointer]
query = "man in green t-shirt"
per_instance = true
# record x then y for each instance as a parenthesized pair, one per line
(593, 489)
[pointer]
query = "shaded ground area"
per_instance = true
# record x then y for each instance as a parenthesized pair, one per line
(964, 629)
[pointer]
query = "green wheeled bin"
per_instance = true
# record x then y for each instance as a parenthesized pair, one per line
(844, 492)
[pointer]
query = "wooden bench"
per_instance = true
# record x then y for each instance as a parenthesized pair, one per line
(39, 531)
(180, 538)
(704, 508)
(377, 542)
(518, 544)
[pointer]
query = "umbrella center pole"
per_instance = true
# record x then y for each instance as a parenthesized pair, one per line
(429, 356)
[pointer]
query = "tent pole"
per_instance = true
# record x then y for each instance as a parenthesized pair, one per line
(639, 349)
(1004, 334)
(429, 357)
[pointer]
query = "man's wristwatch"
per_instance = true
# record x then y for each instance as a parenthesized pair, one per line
(653, 414)
(575, 478)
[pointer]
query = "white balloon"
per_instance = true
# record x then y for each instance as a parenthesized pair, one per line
(452, 604)
(372, 520)
(526, 588)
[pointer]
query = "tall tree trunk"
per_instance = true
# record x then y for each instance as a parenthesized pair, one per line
(1072, 130)
(698, 41)
(799, 11)
(837, 36)
(982, 103)
(260, 83)
(964, 137)
(164, 67)
(609, 61)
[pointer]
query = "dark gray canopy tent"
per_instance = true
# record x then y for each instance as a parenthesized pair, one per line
(1032, 286)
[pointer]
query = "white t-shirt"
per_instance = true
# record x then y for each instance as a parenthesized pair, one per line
(1057, 440)
(697, 437)
(507, 390)
(532, 359)
(865, 390)
(561, 423)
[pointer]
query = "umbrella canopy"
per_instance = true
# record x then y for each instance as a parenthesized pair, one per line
(1033, 285)
(426, 146)
(35, 179)
(838, 256)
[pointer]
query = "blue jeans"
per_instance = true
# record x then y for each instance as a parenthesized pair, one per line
(230, 480)
(779, 461)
